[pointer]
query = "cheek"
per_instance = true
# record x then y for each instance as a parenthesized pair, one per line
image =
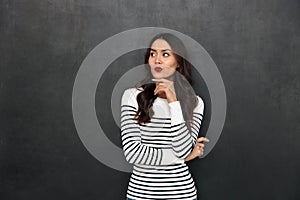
(172, 64)
(150, 61)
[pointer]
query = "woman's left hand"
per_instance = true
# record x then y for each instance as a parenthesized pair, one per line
(167, 87)
(198, 149)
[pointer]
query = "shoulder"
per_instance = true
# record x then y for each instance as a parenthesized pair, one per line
(200, 105)
(129, 96)
(132, 92)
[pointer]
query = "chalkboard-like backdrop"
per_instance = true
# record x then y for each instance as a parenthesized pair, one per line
(255, 45)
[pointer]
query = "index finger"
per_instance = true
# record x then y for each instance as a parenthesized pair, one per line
(160, 80)
(202, 139)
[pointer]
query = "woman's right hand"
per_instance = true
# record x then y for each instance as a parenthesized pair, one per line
(167, 87)
(198, 149)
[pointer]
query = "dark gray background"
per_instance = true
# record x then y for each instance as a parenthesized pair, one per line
(255, 45)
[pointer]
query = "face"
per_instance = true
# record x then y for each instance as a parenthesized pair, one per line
(162, 60)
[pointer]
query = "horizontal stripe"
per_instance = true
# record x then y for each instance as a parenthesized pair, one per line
(171, 190)
(160, 191)
(187, 182)
(144, 146)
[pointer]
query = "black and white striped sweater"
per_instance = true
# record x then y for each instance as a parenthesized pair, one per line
(157, 149)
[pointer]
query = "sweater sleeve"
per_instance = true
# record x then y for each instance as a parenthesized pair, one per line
(134, 150)
(183, 140)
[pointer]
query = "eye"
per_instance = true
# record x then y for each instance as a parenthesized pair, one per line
(152, 54)
(166, 54)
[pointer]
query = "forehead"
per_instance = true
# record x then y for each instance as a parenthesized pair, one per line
(160, 44)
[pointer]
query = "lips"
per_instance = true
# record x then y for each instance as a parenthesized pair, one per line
(158, 69)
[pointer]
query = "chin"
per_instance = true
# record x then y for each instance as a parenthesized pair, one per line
(166, 76)
(158, 76)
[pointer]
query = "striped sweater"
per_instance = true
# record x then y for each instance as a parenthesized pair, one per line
(157, 149)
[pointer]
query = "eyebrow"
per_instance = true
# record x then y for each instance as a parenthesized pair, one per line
(161, 50)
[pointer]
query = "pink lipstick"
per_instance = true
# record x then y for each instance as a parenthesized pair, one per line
(158, 69)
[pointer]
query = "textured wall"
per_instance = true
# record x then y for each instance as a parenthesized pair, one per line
(255, 45)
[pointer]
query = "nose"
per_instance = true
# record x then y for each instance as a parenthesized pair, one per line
(157, 59)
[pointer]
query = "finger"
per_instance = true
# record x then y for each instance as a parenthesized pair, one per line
(202, 150)
(162, 87)
(158, 80)
(162, 84)
(161, 80)
(202, 139)
(166, 86)
(200, 154)
(159, 89)
(201, 145)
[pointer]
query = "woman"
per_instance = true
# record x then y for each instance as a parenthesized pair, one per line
(160, 122)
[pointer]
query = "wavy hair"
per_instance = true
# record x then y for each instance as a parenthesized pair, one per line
(182, 83)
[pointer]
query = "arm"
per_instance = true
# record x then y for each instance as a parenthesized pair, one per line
(183, 139)
(198, 149)
(134, 150)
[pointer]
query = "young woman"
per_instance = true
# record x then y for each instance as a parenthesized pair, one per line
(160, 122)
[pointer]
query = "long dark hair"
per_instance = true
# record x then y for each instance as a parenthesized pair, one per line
(182, 83)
